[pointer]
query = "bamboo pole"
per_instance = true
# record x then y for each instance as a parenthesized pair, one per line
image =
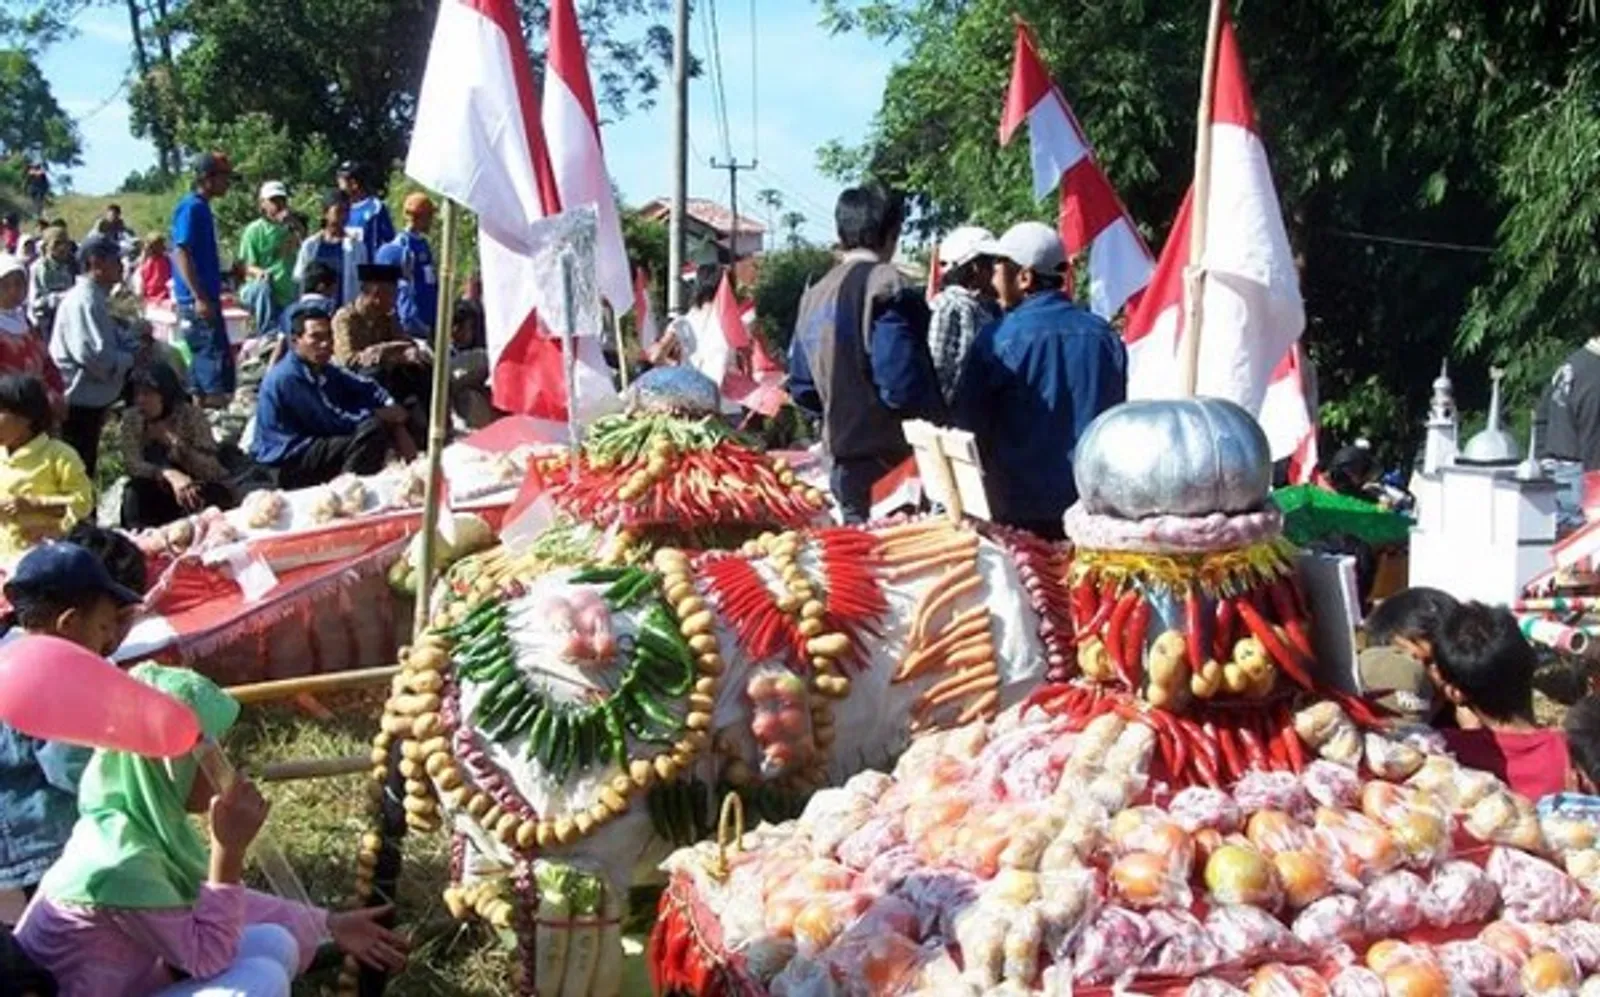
(1194, 277)
(314, 768)
(622, 348)
(265, 692)
(438, 417)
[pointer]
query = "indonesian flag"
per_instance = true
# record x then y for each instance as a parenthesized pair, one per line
(572, 127)
(1253, 313)
(900, 488)
(643, 314)
(478, 140)
(1092, 217)
(1287, 417)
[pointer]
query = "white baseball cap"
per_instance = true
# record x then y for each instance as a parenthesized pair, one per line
(1032, 246)
(962, 246)
(272, 189)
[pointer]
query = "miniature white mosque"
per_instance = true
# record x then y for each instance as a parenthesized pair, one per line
(1486, 518)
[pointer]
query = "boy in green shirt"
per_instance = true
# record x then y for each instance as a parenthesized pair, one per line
(267, 253)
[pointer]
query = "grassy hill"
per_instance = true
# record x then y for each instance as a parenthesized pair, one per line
(143, 212)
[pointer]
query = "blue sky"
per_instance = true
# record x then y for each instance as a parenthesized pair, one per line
(812, 87)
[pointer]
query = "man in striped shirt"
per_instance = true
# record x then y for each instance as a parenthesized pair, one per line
(965, 302)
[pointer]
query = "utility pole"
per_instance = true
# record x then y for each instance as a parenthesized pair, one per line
(680, 160)
(733, 167)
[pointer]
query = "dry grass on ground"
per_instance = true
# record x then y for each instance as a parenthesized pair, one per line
(318, 824)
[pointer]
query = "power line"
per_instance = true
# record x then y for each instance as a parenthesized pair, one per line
(719, 92)
(1395, 240)
(755, 90)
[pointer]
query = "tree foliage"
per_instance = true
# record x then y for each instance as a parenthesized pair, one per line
(346, 74)
(784, 277)
(1437, 160)
(31, 122)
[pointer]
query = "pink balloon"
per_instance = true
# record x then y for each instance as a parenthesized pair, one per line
(55, 690)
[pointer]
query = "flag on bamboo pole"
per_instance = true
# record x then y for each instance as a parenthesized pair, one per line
(1252, 311)
(478, 140)
(1092, 218)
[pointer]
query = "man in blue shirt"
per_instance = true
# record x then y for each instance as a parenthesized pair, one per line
(1035, 380)
(417, 302)
(315, 420)
(859, 357)
(197, 281)
(369, 222)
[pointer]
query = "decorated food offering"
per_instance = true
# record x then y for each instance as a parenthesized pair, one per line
(1034, 855)
(597, 715)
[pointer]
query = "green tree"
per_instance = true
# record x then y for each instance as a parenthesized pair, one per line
(1437, 162)
(793, 222)
(349, 72)
(771, 199)
(784, 277)
(31, 122)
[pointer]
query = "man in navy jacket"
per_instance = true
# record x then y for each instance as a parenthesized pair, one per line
(1035, 380)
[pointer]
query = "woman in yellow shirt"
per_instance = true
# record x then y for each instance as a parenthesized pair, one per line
(43, 488)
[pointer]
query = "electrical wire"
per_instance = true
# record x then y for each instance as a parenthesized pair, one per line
(755, 91)
(719, 90)
(1395, 240)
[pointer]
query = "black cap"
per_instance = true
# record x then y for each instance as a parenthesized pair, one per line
(64, 569)
(211, 164)
(378, 273)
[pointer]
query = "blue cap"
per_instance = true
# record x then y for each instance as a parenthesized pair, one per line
(63, 568)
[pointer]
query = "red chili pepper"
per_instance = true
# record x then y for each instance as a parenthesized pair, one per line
(1116, 626)
(1194, 636)
(1231, 765)
(1175, 749)
(1255, 753)
(1222, 635)
(1292, 748)
(1102, 613)
(1132, 670)
(1083, 602)
(1205, 755)
(1287, 659)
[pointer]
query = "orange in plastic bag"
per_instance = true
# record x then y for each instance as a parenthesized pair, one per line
(1276, 980)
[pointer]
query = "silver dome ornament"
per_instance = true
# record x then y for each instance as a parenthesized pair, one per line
(1179, 457)
(674, 391)
(1494, 447)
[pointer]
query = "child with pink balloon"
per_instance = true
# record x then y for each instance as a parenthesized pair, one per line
(59, 590)
(139, 897)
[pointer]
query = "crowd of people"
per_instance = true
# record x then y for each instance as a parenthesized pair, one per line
(999, 351)
(344, 314)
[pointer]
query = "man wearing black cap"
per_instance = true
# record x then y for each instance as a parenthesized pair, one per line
(62, 590)
(369, 222)
(368, 338)
(197, 282)
(316, 420)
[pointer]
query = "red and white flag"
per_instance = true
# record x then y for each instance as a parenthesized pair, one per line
(1092, 217)
(572, 127)
(478, 140)
(1287, 417)
(643, 314)
(1252, 311)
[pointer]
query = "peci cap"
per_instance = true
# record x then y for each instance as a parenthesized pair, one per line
(378, 273)
(273, 189)
(1030, 245)
(1397, 682)
(964, 245)
(211, 164)
(61, 568)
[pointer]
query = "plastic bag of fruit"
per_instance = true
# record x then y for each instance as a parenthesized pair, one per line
(873, 964)
(1202, 807)
(1208, 986)
(1331, 921)
(831, 816)
(1392, 905)
(1236, 873)
(1277, 980)
(1332, 785)
(1549, 973)
(981, 931)
(1274, 831)
(1281, 791)
(805, 977)
(1459, 893)
(780, 720)
(1359, 850)
(1419, 827)
(1111, 947)
(872, 839)
(1248, 936)
(1534, 890)
(938, 896)
(1581, 939)
(824, 919)
(1182, 946)
(1067, 902)
(1356, 981)
(1486, 970)
(888, 869)
(1393, 758)
(1154, 859)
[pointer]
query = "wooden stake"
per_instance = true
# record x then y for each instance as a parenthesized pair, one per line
(622, 349)
(264, 692)
(1194, 278)
(438, 418)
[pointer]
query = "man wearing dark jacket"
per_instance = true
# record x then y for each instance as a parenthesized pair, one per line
(860, 356)
(1034, 381)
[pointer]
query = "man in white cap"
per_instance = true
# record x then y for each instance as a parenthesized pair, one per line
(1034, 381)
(267, 255)
(965, 302)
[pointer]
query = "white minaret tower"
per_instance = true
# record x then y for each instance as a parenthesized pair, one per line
(1440, 449)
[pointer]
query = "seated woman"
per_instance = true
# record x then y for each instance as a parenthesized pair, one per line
(469, 366)
(138, 898)
(168, 452)
(43, 488)
(23, 350)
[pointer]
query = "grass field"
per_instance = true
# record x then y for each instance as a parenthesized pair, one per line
(143, 212)
(318, 824)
